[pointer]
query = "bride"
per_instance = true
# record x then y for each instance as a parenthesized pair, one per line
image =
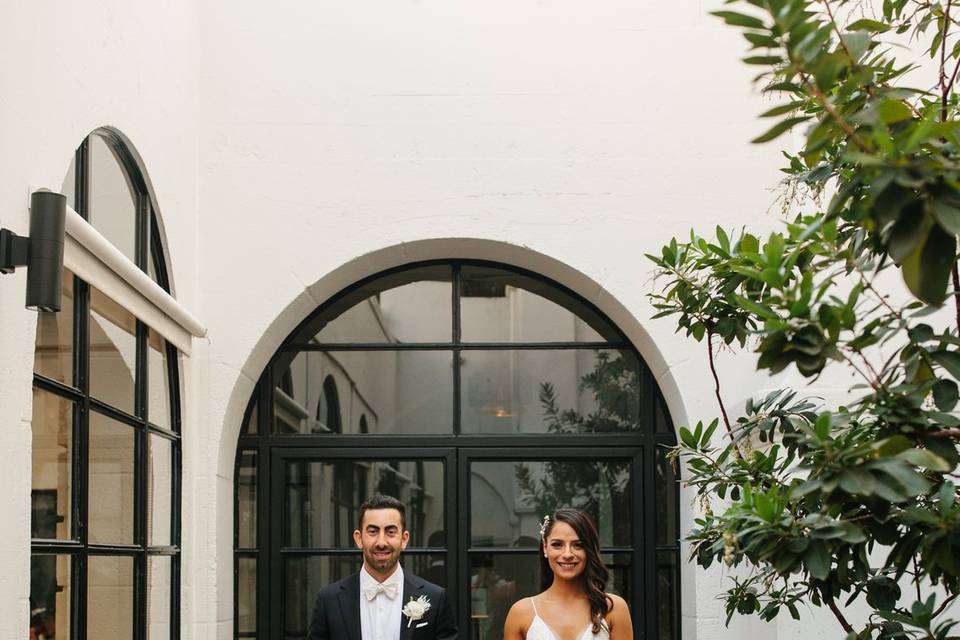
(572, 604)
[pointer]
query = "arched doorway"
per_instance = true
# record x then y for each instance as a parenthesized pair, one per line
(482, 396)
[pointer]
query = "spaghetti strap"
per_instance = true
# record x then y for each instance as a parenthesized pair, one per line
(533, 601)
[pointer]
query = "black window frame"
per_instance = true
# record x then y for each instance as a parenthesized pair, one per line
(149, 252)
(268, 444)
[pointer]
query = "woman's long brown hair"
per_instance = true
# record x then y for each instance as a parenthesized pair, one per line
(594, 576)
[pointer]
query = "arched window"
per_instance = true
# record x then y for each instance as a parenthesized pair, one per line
(483, 397)
(106, 431)
(328, 409)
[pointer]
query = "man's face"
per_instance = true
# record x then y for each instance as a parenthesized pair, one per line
(381, 538)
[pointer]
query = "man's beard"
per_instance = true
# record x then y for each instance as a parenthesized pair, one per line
(382, 565)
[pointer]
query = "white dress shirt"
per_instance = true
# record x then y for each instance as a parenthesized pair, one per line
(380, 617)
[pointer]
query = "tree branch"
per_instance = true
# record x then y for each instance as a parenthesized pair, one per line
(716, 391)
(839, 616)
(953, 434)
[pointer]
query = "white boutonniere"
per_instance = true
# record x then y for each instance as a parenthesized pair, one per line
(416, 609)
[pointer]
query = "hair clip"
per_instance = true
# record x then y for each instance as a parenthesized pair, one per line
(544, 526)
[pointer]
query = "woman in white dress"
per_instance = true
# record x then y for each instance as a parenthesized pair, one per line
(572, 603)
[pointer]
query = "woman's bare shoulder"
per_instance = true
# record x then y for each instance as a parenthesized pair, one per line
(519, 619)
(521, 609)
(618, 608)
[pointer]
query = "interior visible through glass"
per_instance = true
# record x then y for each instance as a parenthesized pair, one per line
(50, 587)
(52, 469)
(323, 499)
(508, 499)
(109, 597)
(111, 481)
(53, 356)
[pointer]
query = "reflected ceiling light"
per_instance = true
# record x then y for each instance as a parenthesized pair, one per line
(41, 253)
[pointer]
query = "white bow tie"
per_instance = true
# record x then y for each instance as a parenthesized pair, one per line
(390, 590)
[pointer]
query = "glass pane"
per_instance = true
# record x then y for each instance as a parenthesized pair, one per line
(247, 500)
(667, 491)
(50, 597)
(52, 487)
(247, 595)
(550, 391)
(411, 306)
(113, 352)
(667, 580)
(509, 499)
(662, 417)
(113, 208)
(158, 394)
(305, 576)
(500, 306)
(110, 597)
(250, 423)
(499, 580)
(160, 490)
(159, 575)
(111, 481)
(389, 391)
(323, 499)
(54, 351)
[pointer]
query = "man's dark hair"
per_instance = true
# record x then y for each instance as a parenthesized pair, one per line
(380, 501)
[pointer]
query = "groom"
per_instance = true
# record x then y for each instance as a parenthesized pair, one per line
(382, 601)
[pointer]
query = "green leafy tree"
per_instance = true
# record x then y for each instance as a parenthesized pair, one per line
(821, 505)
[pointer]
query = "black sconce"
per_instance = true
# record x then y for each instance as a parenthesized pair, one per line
(41, 253)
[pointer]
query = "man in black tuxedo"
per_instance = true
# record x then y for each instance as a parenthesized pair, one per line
(382, 601)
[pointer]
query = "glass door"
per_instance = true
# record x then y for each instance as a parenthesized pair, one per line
(504, 494)
(316, 494)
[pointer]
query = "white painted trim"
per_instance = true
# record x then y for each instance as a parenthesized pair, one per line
(94, 258)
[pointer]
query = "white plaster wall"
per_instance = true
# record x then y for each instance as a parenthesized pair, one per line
(325, 141)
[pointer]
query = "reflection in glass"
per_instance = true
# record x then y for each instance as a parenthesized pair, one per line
(247, 595)
(497, 580)
(158, 596)
(52, 484)
(113, 203)
(160, 490)
(158, 392)
(113, 352)
(501, 306)
(667, 492)
(397, 392)
(662, 417)
(508, 499)
(304, 576)
(111, 481)
(109, 597)
(250, 423)
(667, 610)
(412, 306)
(50, 597)
(550, 391)
(247, 500)
(53, 356)
(323, 498)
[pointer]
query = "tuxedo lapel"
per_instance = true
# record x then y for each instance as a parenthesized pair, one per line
(349, 601)
(411, 590)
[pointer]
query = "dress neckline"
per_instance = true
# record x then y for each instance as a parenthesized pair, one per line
(556, 636)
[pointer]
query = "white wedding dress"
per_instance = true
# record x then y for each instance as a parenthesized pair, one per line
(540, 630)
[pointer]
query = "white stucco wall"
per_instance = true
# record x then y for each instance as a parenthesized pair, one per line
(296, 148)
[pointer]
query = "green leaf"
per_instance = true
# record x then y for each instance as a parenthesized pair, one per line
(945, 394)
(893, 111)
(739, 19)
(779, 128)
(947, 215)
(782, 109)
(857, 43)
(925, 459)
(949, 360)
(947, 496)
(927, 270)
(757, 308)
(869, 25)
(763, 60)
(817, 559)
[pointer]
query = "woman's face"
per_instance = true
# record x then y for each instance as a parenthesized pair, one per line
(564, 552)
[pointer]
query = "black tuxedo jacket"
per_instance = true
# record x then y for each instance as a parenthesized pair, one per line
(336, 613)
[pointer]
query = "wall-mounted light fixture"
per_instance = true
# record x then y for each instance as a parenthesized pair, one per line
(41, 253)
